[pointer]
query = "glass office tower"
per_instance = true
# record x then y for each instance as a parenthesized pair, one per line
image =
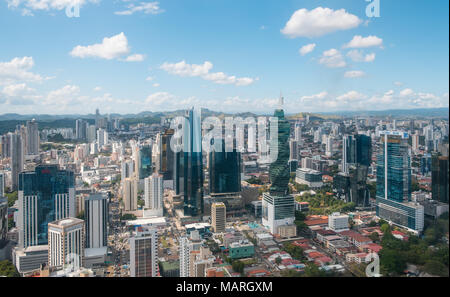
(278, 207)
(145, 155)
(224, 171)
(394, 183)
(189, 165)
(46, 194)
(439, 178)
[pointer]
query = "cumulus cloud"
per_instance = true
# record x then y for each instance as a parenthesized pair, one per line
(406, 92)
(135, 58)
(318, 22)
(111, 48)
(359, 56)
(144, 7)
(306, 49)
(203, 70)
(363, 42)
(354, 74)
(333, 59)
(27, 6)
(18, 69)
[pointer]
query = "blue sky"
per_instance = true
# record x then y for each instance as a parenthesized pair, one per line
(127, 56)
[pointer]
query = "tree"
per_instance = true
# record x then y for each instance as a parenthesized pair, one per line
(128, 217)
(278, 260)
(12, 198)
(434, 267)
(311, 270)
(391, 262)
(7, 269)
(385, 228)
(238, 266)
(374, 236)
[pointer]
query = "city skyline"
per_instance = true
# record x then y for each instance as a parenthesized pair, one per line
(132, 61)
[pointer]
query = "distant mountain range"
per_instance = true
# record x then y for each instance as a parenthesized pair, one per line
(422, 112)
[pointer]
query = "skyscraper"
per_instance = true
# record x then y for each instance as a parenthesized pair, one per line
(189, 165)
(224, 171)
(2, 184)
(32, 138)
(185, 252)
(356, 158)
(66, 243)
(130, 194)
(394, 183)
(145, 164)
(165, 162)
(154, 195)
(17, 158)
(218, 217)
(144, 253)
(45, 195)
(96, 213)
(439, 178)
(278, 206)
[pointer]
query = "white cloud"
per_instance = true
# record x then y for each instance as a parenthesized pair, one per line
(144, 7)
(358, 56)
(159, 99)
(156, 85)
(364, 42)
(406, 92)
(67, 95)
(318, 22)
(28, 6)
(203, 70)
(332, 59)
(149, 78)
(111, 48)
(135, 58)
(398, 84)
(97, 89)
(315, 97)
(354, 74)
(306, 49)
(18, 69)
(351, 96)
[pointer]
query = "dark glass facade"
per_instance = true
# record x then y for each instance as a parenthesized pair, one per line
(224, 171)
(279, 170)
(146, 168)
(189, 166)
(398, 182)
(45, 182)
(439, 178)
(166, 161)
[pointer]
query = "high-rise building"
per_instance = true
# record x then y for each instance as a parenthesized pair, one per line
(394, 183)
(66, 243)
(127, 170)
(185, 251)
(17, 158)
(218, 217)
(46, 194)
(130, 194)
(224, 171)
(145, 164)
(278, 206)
(165, 160)
(189, 165)
(154, 195)
(3, 220)
(2, 184)
(293, 149)
(144, 253)
(439, 178)
(32, 138)
(80, 129)
(96, 213)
